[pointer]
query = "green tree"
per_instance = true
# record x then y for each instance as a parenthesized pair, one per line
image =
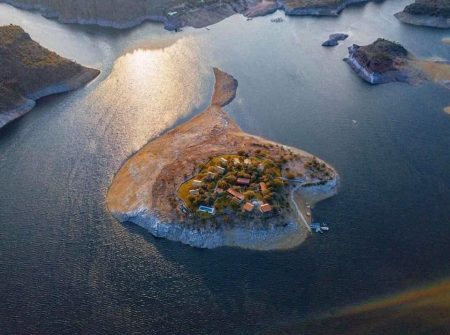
(231, 179)
(249, 195)
(222, 184)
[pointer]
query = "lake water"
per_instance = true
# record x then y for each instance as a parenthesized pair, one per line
(67, 266)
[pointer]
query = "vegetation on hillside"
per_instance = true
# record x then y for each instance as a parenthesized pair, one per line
(429, 8)
(381, 56)
(27, 67)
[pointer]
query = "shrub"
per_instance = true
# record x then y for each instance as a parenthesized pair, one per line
(230, 179)
(249, 195)
(290, 175)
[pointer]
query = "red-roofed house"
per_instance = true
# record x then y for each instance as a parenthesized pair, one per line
(243, 181)
(265, 208)
(236, 194)
(248, 207)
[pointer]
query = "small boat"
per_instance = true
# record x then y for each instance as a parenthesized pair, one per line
(319, 227)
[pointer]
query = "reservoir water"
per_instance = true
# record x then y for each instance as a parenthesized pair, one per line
(68, 267)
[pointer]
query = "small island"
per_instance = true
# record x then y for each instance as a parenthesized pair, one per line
(29, 72)
(174, 14)
(429, 13)
(334, 39)
(385, 61)
(208, 184)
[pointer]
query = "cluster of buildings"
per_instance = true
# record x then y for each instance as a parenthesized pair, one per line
(249, 206)
(236, 196)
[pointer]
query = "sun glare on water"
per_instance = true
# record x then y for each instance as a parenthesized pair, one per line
(149, 89)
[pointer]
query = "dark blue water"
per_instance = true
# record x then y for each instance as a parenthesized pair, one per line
(67, 267)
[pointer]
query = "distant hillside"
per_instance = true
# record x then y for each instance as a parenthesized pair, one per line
(431, 13)
(29, 72)
(174, 14)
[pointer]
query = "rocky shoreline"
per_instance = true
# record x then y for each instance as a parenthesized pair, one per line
(246, 235)
(424, 20)
(144, 191)
(197, 17)
(434, 14)
(10, 115)
(328, 10)
(29, 102)
(370, 76)
(384, 61)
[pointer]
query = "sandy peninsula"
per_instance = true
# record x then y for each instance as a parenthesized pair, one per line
(428, 13)
(145, 190)
(29, 72)
(174, 14)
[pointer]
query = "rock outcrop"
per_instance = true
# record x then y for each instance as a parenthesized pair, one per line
(380, 62)
(384, 61)
(334, 39)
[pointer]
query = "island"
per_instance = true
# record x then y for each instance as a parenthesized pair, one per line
(429, 13)
(29, 72)
(385, 61)
(208, 184)
(174, 14)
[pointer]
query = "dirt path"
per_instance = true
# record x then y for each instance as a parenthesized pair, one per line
(294, 204)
